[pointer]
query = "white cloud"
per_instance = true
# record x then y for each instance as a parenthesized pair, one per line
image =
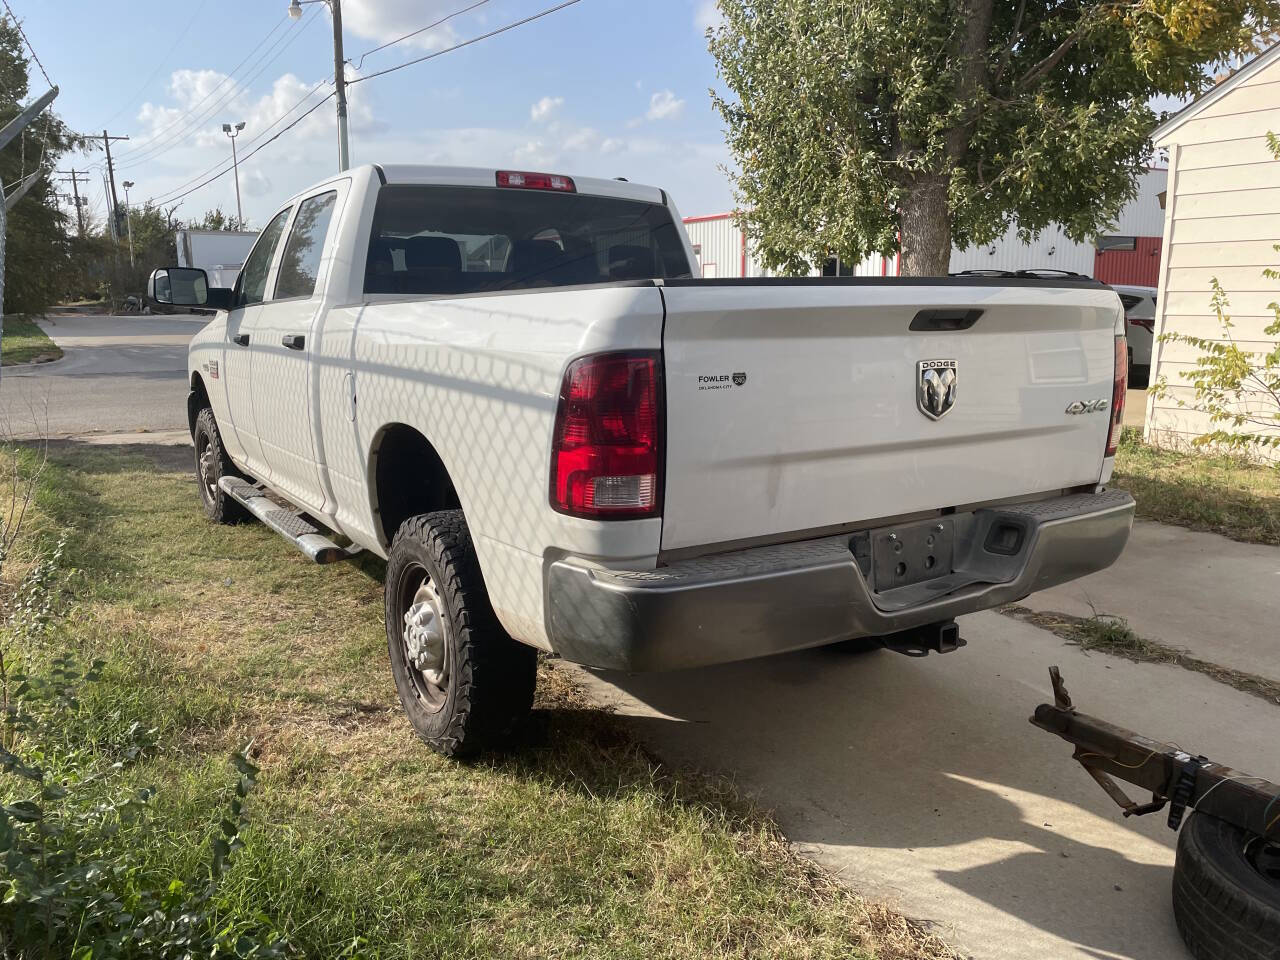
(544, 108)
(664, 104)
(386, 20)
(256, 183)
(706, 16)
(582, 139)
(611, 145)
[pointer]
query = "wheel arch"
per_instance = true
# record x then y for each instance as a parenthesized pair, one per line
(407, 476)
(197, 400)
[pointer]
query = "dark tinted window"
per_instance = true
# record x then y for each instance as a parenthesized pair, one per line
(252, 282)
(1129, 301)
(1117, 243)
(301, 261)
(450, 240)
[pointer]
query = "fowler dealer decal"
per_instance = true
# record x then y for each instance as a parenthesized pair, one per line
(721, 381)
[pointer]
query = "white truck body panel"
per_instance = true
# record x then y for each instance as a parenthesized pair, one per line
(824, 435)
(825, 431)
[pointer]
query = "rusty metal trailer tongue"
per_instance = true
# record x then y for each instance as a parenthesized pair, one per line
(1226, 878)
(1173, 776)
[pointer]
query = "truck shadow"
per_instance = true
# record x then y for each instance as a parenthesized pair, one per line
(922, 784)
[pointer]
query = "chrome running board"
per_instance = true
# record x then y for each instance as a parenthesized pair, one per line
(287, 522)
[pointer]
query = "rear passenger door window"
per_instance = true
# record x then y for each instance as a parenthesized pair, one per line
(300, 265)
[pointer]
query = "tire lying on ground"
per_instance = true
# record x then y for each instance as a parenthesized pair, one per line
(1226, 891)
(463, 682)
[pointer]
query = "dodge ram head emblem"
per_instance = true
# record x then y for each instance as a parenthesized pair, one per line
(935, 387)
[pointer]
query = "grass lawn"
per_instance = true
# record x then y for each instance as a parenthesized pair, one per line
(1222, 494)
(574, 843)
(24, 341)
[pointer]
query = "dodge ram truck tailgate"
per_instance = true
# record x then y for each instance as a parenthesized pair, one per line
(808, 406)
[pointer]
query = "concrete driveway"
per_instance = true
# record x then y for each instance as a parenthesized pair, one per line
(1214, 597)
(921, 783)
(119, 374)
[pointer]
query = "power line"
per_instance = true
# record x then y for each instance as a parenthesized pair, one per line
(18, 23)
(430, 26)
(170, 196)
(466, 43)
(160, 142)
(217, 176)
(257, 137)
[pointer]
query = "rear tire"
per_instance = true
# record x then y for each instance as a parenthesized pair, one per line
(1226, 891)
(463, 682)
(212, 464)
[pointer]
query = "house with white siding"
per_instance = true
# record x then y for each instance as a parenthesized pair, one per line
(1222, 220)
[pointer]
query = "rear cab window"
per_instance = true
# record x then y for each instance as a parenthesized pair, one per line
(449, 240)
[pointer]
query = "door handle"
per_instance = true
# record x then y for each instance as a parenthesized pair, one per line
(294, 341)
(241, 338)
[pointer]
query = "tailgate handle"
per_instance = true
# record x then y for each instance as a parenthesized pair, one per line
(294, 341)
(945, 319)
(241, 338)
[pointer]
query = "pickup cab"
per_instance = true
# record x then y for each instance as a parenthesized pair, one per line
(510, 386)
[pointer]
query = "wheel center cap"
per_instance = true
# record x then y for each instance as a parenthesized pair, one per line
(424, 637)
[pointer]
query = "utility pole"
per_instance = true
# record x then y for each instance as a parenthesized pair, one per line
(75, 193)
(339, 73)
(111, 179)
(340, 85)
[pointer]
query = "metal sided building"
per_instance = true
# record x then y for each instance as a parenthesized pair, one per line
(1128, 254)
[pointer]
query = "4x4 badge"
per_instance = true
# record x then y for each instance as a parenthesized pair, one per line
(935, 387)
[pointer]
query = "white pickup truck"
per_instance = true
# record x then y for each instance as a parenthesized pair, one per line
(510, 386)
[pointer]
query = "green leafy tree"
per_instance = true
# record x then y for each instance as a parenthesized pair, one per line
(1239, 389)
(36, 248)
(215, 219)
(859, 125)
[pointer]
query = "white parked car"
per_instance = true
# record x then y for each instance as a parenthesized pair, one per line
(510, 386)
(1140, 323)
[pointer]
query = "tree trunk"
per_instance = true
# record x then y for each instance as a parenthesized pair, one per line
(926, 229)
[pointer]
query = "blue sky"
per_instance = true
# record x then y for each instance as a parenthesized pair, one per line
(604, 88)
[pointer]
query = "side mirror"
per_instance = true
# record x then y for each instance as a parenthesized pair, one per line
(186, 287)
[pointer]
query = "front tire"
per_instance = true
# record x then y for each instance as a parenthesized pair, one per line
(212, 464)
(463, 682)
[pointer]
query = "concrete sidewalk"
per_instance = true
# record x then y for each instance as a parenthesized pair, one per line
(1216, 598)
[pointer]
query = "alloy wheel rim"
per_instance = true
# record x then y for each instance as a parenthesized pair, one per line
(424, 639)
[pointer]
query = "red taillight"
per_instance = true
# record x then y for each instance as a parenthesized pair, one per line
(607, 447)
(1118, 389)
(536, 181)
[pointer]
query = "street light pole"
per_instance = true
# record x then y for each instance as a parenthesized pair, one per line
(235, 165)
(128, 218)
(339, 74)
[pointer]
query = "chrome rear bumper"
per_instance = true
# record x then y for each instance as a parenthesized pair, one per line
(751, 603)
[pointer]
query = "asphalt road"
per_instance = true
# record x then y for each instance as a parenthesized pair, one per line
(118, 375)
